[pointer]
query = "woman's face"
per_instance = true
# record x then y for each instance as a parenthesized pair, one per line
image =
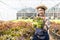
(41, 12)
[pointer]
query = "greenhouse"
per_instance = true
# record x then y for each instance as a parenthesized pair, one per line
(29, 19)
(27, 12)
(54, 11)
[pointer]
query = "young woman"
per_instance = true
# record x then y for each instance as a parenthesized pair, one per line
(42, 34)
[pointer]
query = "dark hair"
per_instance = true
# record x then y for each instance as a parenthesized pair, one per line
(43, 9)
(38, 14)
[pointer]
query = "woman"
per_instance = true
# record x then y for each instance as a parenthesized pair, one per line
(42, 34)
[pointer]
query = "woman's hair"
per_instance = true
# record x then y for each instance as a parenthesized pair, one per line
(38, 15)
(43, 8)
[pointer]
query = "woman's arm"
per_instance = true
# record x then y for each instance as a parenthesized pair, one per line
(47, 24)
